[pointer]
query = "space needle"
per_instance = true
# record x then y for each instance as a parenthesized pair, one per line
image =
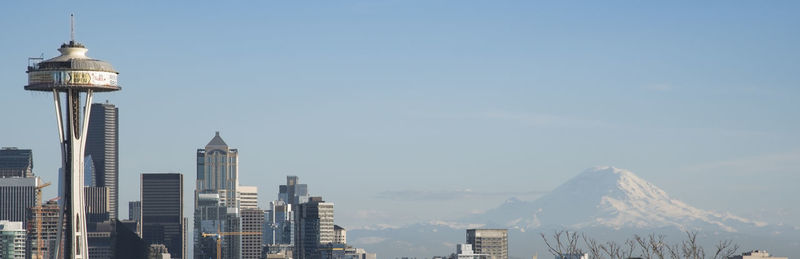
(73, 78)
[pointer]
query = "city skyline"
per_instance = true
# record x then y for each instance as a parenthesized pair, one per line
(423, 102)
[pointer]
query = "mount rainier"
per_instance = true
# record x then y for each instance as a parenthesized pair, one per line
(607, 203)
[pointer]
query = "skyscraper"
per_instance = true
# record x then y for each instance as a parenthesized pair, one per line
(279, 224)
(97, 204)
(16, 196)
(217, 198)
(162, 211)
(102, 140)
(293, 192)
(209, 217)
(248, 197)
(491, 242)
(134, 210)
(314, 227)
(218, 170)
(252, 220)
(100, 235)
(16, 162)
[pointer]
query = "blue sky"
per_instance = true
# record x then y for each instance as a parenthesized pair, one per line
(395, 110)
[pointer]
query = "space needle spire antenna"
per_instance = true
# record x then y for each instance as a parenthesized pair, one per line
(71, 27)
(73, 78)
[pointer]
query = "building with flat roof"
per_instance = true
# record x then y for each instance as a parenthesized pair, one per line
(12, 240)
(252, 221)
(339, 235)
(314, 227)
(17, 194)
(16, 162)
(102, 144)
(491, 242)
(134, 210)
(572, 256)
(45, 232)
(162, 211)
(293, 192)
(248, 197)
(96, 200)
(99, 235)
(756, 254)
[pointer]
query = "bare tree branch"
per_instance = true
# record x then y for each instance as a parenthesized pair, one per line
(644, 245)
(592, 245)
(550, 248)
(657, 245)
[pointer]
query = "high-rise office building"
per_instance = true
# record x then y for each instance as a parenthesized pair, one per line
(12, 240)
(218, 169)
(97, 204)
(162, 211)
(279, 224)
(293, 192)
(218, 198)
(232, 244)
(248, 197)
(210, 216)
(127, 244)
(17, 194)
(16, 162)
(99, 235)
(314, 224)
(42, 236)
(112, 239)
(134, 210)
(102, 144)
(88, 172)
(252, 221)
(491, 242)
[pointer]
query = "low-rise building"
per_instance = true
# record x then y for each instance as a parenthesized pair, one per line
(756, 254)
(12, 240)
(572, 256)
(491, 242)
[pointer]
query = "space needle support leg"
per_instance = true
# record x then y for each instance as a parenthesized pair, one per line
(56, 252)
(77, 129)
(72, 210)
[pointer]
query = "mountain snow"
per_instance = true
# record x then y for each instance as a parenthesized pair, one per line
(601, 200)
(610, 197)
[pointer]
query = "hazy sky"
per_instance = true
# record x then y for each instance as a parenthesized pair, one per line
(407, 111)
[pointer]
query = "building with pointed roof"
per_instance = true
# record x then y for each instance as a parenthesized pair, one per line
(218, 198)
(218, 169)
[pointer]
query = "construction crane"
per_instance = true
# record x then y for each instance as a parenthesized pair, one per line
(39, 219)
(219, 236)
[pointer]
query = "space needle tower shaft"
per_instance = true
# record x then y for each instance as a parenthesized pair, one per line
(73, 78)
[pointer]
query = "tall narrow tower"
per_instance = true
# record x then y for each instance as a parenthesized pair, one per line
(72, 77)
(102, 140)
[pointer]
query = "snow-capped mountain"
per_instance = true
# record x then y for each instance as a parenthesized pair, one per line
(605, 202)
(610, 197)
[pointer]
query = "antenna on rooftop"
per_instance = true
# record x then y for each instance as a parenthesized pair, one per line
(71, 28)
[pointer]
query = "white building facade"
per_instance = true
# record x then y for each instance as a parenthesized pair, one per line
(12, 240)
